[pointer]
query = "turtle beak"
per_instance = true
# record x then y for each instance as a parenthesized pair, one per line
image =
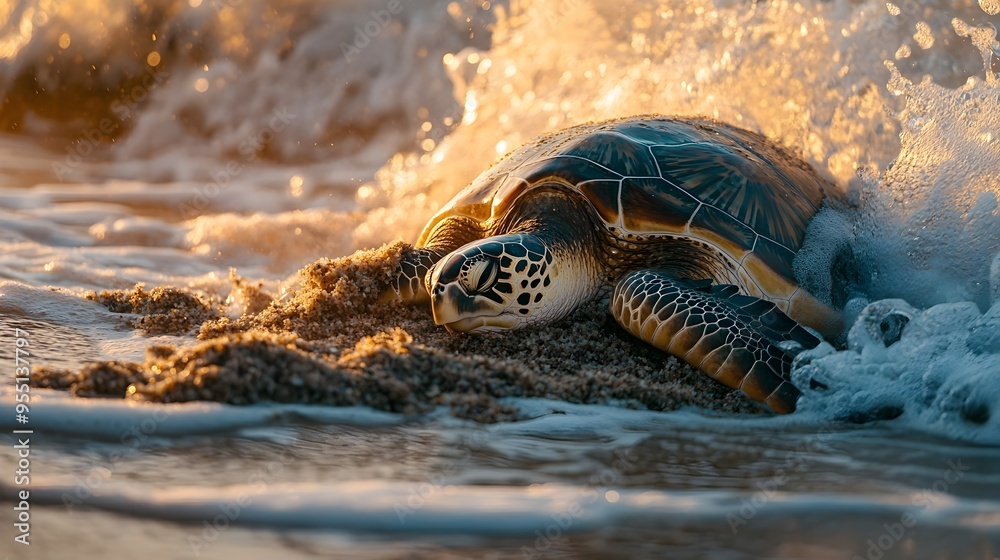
(482, 324)
(445, 303)
(458, 311)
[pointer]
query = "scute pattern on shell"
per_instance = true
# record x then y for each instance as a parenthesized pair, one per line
(654, 175)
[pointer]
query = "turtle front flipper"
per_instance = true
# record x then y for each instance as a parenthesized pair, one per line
(731, 337)
(443, 237)
(408, 284)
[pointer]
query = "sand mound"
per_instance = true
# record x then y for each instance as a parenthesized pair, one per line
(330, 342)
(162, 310)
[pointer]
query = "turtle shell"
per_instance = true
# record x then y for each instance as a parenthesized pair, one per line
(656, 176)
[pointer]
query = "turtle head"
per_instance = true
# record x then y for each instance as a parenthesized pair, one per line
(498, 283)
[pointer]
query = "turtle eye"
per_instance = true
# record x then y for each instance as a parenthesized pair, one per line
(481, 275)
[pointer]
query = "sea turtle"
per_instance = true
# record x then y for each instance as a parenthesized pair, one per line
(690, 225)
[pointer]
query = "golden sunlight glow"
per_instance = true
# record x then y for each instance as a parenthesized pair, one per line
(611, 97)
(470, 108)
(295, 185)
(90, 20)
(153, 58)
(201, 85)
(10, 45)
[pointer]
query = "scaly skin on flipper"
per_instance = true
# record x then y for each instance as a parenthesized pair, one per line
(728, 336)
(408, 285)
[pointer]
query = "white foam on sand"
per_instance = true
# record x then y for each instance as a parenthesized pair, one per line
(942, 376)
(382, 507)
(926, 235)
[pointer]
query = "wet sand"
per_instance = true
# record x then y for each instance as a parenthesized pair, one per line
(330, 342)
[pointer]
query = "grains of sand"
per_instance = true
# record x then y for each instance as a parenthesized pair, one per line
(162, 310)
(330, 342)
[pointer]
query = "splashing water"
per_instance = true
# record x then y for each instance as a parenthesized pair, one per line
(928, 231)
(165, 141)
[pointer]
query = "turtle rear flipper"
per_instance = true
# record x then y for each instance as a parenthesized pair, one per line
(731, 337)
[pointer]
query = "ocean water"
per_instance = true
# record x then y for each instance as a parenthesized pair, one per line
(167, 142)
